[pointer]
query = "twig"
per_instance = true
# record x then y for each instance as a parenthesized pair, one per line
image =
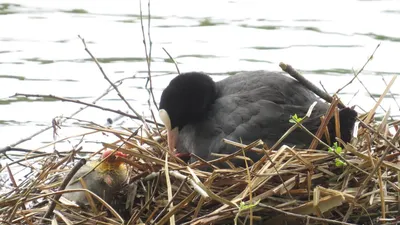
(87, 104)
(195, 185)
(10, 174)
(391, 94)
(170, 202)
(362, 68)
(215, 213)
(327, 117)
(292, 72)
(106, 77)
(9, 148)
(169, 190)
(361, 82)
(378, 103)
(4, 151)
(323, 87)
(150, 42)
(119, 82)
(173, 60)
(65, 182)
(84, 122)
(25, 159)
(148, 54)
(348, 103)
(180, 205)
(379, 135)
(369, 93)
(303, 216)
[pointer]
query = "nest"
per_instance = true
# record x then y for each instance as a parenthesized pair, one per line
(287, 186)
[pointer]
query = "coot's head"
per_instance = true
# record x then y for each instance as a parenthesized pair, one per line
(186, 100)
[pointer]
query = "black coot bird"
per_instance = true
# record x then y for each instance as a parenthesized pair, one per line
(198, 112)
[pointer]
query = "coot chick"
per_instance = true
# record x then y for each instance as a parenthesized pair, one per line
(199, 113)
(105, 180)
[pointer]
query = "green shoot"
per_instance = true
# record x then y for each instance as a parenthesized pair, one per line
(339, 163)
(243, 206)
(335, 148)
(295, 119)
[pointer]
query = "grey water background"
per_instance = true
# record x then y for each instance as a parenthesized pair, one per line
(40, 52)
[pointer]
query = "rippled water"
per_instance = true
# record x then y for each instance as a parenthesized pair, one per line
(40, 52)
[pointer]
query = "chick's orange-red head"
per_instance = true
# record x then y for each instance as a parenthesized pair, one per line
(114, 157)
(112, 163)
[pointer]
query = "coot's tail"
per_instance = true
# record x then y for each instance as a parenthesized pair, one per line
(347, 120)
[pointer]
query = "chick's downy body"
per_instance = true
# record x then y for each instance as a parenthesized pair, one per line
(105, 180)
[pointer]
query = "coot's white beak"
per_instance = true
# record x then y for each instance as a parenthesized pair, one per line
(172, 134)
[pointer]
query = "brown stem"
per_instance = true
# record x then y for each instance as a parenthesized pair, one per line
(64, 184)
(87, 104)
(292, 72)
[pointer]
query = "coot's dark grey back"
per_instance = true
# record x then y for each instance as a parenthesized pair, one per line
(275, 87)
(250, 106)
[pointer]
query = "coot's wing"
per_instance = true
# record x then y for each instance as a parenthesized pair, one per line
(237, 119)
(264, 120)
(273, 86)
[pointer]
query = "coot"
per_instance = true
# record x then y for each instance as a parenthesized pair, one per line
(199, 113)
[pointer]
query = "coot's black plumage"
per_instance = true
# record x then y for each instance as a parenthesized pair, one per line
(199, 112)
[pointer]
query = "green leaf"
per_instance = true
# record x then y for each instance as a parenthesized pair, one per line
(339, 163)
(243, 205)
(339, 150)
(335, 148)
(295, 119)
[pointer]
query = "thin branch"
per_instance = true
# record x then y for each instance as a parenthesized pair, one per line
(369, 93)
(170, 202)
(303, 216)
(362, 68)
(64, 184)
(292, 72)
(173, 60)
(87, 104)
(355, 94)
(323, 87)
(148, 54)
(119, 82)
(327, 117)
(108, 80)
(148, 32)
(391, 93)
